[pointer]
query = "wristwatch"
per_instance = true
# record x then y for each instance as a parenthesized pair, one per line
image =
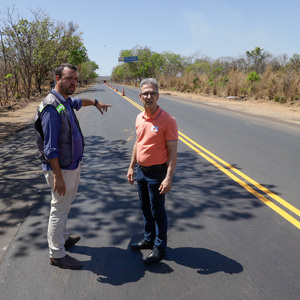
(96, 102)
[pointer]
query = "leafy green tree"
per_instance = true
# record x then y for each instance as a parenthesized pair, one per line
(156, 66)
(70, 47)
(129, 69)
(45, 51)
(149, 64)
(253, 77)
(200, 66)
(118, 73)
(31, 49)
(174, 64)
(4, 65)
(122, 73)
(20, 39)
(143, 65)
(295, 61)
(87, 71)
(257, 58)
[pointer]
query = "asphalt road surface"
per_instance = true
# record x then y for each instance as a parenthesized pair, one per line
(233, 210)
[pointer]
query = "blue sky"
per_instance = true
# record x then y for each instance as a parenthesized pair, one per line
(213, 28)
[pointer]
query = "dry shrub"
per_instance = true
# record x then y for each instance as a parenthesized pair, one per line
(290, 85)
(283, 86)
(295, 95)
(269, 84)
(181, 84)
(185, 83)
(168, 82)
(236, 85)
(279, 86)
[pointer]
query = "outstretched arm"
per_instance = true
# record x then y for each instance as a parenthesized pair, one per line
(102, 107)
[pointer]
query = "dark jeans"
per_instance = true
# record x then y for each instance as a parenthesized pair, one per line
(153, 204)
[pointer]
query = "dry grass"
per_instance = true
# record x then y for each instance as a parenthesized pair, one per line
(276, 86)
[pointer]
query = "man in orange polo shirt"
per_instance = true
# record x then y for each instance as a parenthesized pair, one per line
(155, 154)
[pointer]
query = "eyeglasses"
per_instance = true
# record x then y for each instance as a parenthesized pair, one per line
(146, 94)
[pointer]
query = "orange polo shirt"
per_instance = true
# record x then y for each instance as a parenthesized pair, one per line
(152, 134)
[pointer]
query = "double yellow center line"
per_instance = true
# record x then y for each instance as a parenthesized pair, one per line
(253, 187)
(249, 184)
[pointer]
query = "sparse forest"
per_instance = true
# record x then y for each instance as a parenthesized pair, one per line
(30, 50)
(256, 75)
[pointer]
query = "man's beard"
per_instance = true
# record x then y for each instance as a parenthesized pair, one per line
(68, 90)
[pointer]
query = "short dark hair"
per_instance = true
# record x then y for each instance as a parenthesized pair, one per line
(59, 70)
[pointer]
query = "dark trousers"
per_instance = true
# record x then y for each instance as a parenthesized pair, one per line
(153, 204)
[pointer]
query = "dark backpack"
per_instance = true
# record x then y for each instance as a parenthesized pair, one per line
(38, 130)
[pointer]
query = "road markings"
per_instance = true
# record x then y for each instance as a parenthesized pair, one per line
(194, 146)
(248, 179)
(229, 170)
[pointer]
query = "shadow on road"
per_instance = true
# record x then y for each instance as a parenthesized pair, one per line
(20, 182)
(117, 266)
(204, 260)
(107, 206)
(200, 188)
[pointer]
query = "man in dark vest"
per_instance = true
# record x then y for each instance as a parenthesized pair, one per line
(60, 143)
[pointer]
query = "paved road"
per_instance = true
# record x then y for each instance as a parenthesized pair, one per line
(228, 239)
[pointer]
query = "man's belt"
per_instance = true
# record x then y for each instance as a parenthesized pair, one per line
(153, 168)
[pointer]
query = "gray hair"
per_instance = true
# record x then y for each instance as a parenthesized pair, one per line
(149, 81)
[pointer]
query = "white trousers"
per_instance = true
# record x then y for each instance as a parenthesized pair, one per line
(59, 211)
